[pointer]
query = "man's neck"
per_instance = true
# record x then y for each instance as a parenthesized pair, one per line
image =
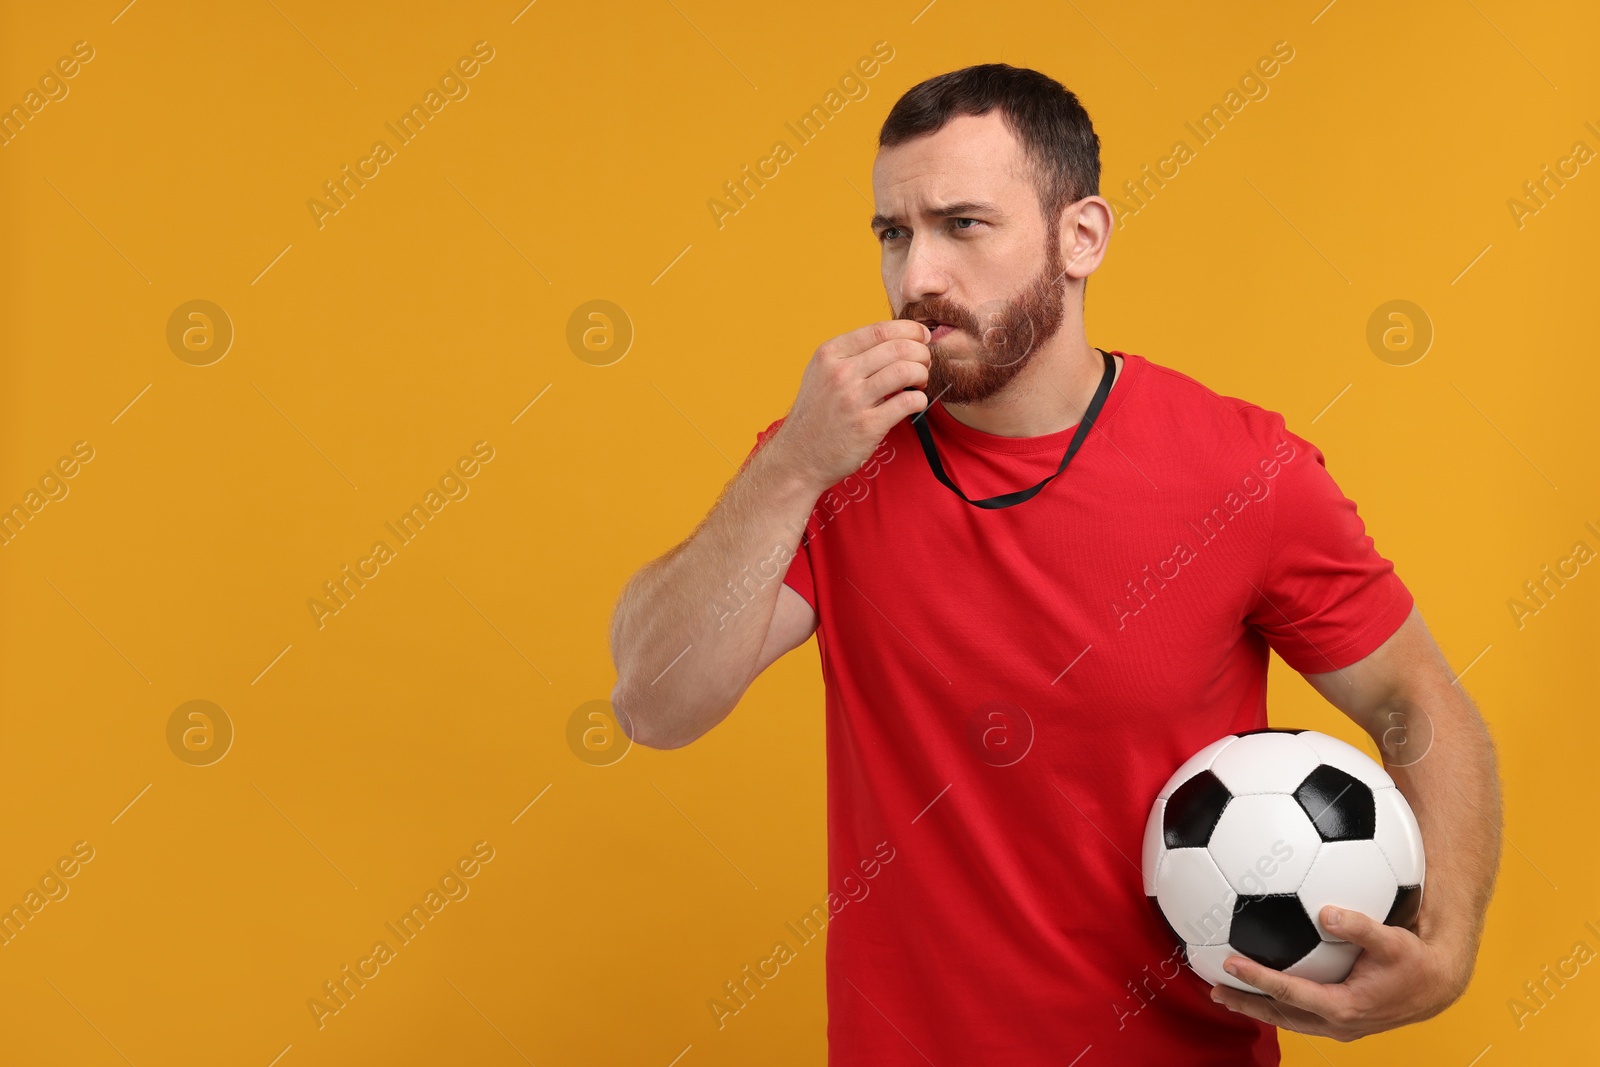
(1049, 395)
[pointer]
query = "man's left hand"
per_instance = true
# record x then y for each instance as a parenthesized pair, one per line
(1398, 979)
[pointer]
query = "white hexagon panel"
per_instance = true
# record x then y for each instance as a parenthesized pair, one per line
(1349, 874)
(1264, 844)
(1194, 896)
(1265, 763)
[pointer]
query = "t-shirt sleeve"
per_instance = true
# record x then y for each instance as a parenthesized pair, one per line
(1325, 598)
(799, 576)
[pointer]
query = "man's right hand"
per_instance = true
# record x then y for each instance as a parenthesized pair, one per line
(853, 391)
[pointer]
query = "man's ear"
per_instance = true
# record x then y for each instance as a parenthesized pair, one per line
(1085, 230)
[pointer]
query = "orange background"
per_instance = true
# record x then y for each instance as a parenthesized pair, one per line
(371, 754)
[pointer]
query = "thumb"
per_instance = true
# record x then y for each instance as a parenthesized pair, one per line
(1359, 929)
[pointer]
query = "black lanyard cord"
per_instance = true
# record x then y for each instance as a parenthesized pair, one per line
(1006, 500)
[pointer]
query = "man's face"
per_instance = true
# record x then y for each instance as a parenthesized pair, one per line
(965, 244)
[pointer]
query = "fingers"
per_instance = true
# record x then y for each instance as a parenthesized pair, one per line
(898, 404)
(908, 395)
(1266, 1010)
(873, 334)
(876, 358)
(1319, 999)
(897, 375)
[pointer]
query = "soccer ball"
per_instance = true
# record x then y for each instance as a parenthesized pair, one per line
(1258, 831)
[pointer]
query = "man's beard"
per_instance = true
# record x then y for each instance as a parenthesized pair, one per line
(1001, 337)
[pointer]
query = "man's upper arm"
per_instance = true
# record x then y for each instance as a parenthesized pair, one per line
(1407, 661)
(1403, 694)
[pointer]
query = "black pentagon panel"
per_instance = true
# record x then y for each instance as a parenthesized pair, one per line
(1155, 907)
(1193, 810)
(1274, 930)
(1340, 807)
(1406, 907)
(1268, 730)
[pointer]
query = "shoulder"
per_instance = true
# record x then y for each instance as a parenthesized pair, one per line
(1215, 419)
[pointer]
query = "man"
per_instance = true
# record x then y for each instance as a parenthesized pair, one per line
(1041, 576)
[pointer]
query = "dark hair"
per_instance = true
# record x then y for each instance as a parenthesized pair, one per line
(1056, 135)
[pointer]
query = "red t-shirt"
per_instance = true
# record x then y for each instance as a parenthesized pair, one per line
(1007, 691)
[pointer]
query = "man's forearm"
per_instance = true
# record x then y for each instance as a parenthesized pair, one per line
(1439, 752)
(685, 638)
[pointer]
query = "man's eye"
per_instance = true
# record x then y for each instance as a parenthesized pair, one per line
(893, 233)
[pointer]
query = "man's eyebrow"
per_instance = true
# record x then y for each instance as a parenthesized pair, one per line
(946, 211)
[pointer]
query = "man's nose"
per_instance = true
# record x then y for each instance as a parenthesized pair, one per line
(923, 273)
